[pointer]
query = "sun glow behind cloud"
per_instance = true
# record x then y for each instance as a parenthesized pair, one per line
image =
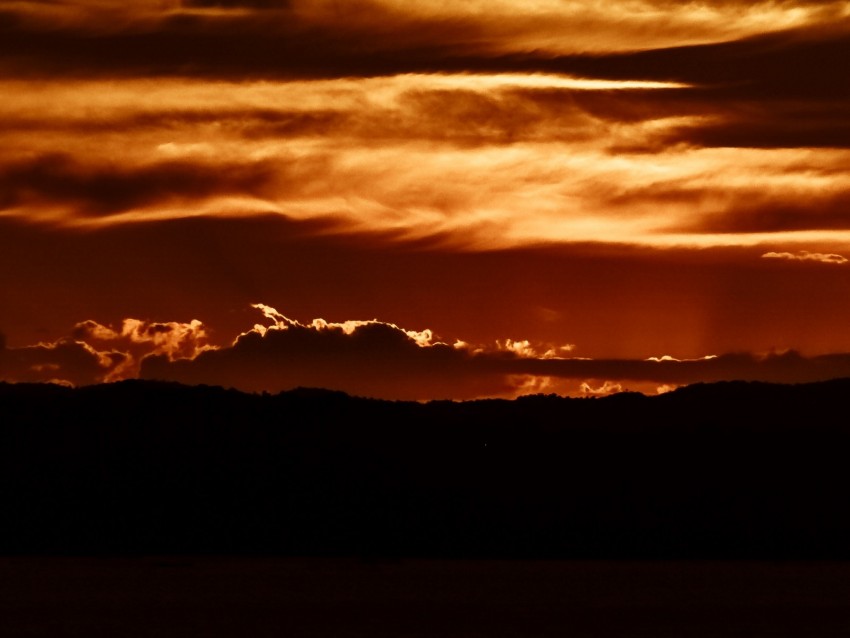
(375, 359)
(551, 165)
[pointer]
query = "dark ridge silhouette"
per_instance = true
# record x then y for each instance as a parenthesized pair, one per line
(725, 470)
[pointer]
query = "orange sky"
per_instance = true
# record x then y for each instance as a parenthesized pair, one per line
(563, 195)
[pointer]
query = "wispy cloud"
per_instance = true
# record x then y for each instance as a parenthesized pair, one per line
(805, 255)
(520, 159)
(368, 37)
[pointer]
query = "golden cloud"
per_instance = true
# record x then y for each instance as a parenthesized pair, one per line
(805, 255)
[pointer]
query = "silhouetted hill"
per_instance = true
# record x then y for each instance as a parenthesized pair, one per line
(737, 470)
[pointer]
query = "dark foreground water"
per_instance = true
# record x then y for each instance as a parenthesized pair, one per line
(122, 597)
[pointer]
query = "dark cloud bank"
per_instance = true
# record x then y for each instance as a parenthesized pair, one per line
(381, 360)
(58, 178)
(371, 359)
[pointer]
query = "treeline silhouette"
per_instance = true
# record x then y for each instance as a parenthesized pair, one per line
(726, 470)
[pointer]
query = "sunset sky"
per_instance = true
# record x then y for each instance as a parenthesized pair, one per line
(423, 199)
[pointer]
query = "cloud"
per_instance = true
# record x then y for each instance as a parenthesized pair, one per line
(64, 361)
(516, 164)
(221, 42)
(103, 189)
(524, 348)
(236, 4)
(97, 353)
(520, 158)
(665, 388)
(375, 359)
(173, 339)
(611, 301)
(607, 387)
(465, 109)
(805, 255)
(779, 367)
(403, 137)
(311, 38)
(818, 203)
(369, 358)
(136, 339)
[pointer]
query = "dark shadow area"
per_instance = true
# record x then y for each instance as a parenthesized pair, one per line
(226, 596)
(728, 470)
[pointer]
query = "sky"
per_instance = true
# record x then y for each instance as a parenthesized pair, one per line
(425, 199)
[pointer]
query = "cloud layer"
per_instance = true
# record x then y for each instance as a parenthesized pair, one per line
(639, 177)
(369, 37)
(737, 142)
(376, 359)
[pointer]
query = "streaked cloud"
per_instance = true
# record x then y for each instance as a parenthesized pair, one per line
(102, 189)
(520, 159)
(368, 37)
(805, 255)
